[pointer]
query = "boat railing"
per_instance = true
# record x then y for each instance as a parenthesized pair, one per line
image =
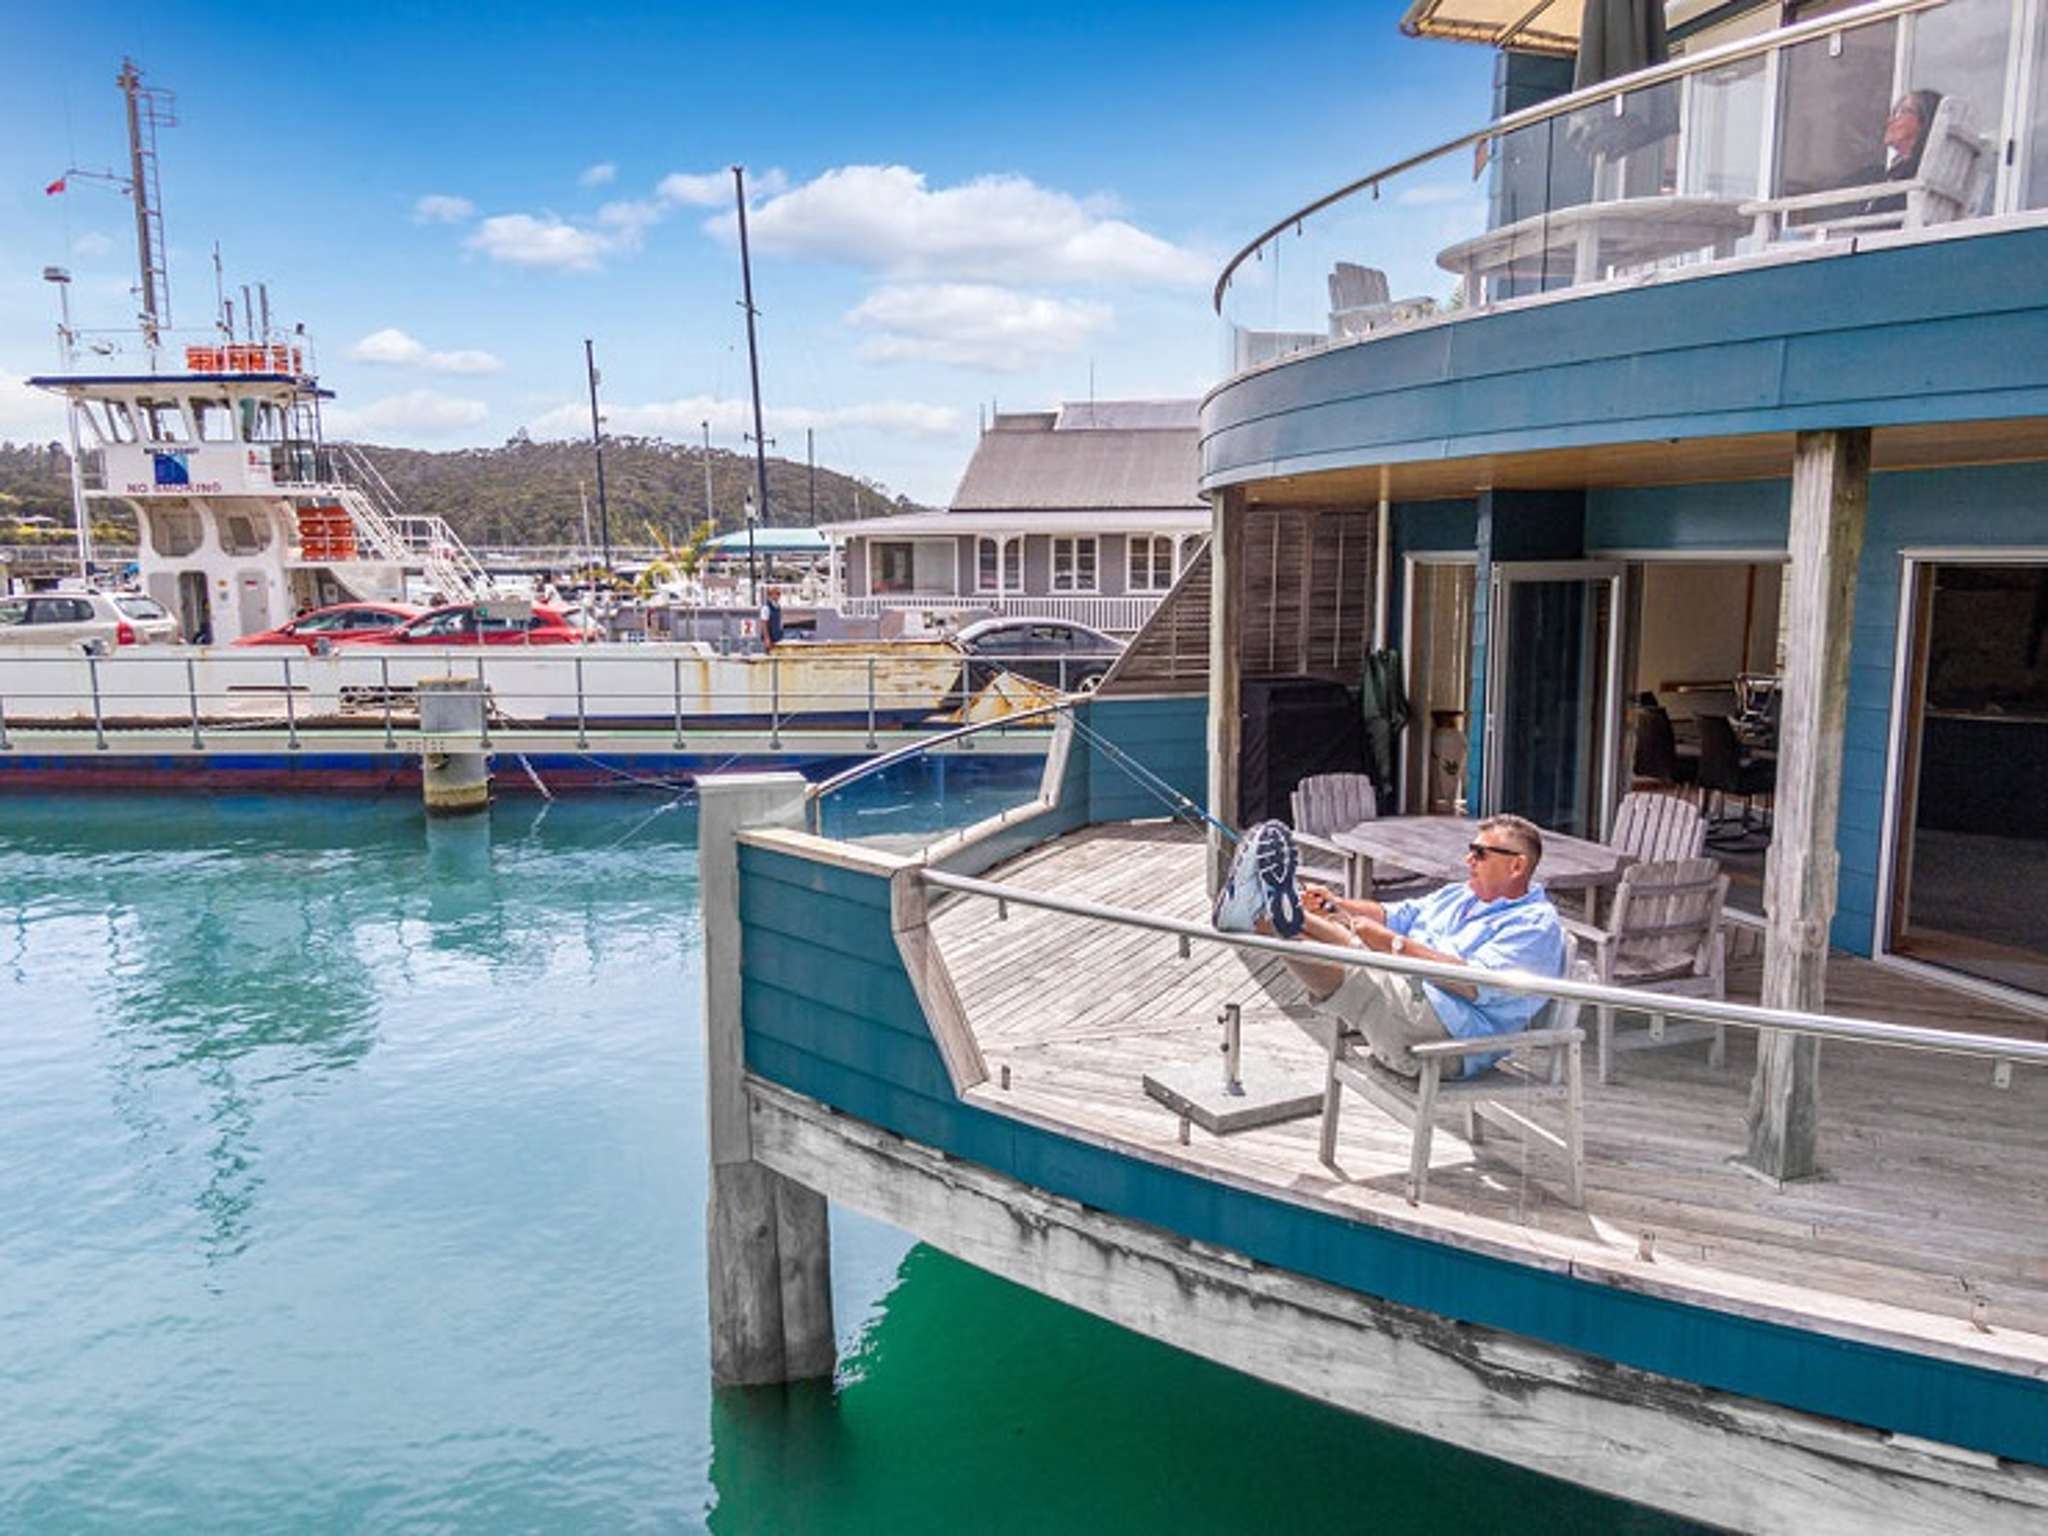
(1767, 149)
(215, 695)
(1999, 1052)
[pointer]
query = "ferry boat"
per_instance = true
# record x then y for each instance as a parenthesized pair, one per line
(1704, 371)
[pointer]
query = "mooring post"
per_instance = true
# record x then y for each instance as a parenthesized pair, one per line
(769, 1244)
(455, 770)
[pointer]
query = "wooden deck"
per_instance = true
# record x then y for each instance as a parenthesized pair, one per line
(1936, 1185)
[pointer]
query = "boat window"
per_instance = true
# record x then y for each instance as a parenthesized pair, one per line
(241, 535)
(1836, 96)
(216, 421)
(262, 422)
(1073, 563)
(110, 419)
(162, 420)
(12, 612)
(172, 532)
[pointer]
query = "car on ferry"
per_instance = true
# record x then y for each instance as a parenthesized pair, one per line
(1056, 652)
(105, 620)
(324, 627)
(476, 624)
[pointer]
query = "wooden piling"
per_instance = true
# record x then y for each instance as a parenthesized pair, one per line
(769, 1240)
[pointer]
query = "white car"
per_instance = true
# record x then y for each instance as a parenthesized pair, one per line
(80, 618)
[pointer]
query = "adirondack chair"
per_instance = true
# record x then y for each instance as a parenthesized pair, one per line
(1360, 301)
(1322, 805)
(1542, 1066)
(1651, 826)
(1665, 936)
(1954, 173)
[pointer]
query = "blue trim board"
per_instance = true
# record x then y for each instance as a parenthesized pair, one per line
(1943, 331)
(849, 1033)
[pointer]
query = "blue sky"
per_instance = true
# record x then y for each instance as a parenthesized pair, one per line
(953, 205)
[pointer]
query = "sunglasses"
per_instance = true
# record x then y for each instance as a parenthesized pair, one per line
(1481, 850)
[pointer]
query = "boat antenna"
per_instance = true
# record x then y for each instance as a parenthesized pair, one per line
(604, 516)
(220, 296)
(148, 110)
(739, 188)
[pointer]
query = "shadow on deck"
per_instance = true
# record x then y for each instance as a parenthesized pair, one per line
(1933, 1193)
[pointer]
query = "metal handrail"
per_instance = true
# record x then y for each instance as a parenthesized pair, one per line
(1713, 1010)
(1579, 100)
(814, 794)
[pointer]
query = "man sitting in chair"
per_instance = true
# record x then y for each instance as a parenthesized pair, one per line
(1498, 920)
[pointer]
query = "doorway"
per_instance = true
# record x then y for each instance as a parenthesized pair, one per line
(1552, 701)
(1969, 824)
(1436, 644)
(195, 610)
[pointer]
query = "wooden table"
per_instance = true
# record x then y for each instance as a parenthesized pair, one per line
(1435, 846)
(1623, 232)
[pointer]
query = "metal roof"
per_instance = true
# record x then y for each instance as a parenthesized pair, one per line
(930, 524)
(1536, 26)
(1106, 456)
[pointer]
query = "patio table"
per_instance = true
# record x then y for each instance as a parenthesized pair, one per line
(1434, 846)
(1624, 232)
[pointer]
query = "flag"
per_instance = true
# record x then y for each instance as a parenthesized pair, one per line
(54, 187)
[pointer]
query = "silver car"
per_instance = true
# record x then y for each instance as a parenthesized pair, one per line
(108, 619)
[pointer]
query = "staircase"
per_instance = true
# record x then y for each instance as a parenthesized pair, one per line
(388, 532)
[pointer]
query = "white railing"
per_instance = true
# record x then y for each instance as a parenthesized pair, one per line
(1116, 615)
(404, 538)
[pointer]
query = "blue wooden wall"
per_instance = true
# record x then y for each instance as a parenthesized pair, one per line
(829, 1012)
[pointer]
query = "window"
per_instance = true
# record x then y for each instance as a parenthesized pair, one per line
(453, 621)
(13, 613)
(241, 535)
(162, 420)
(910, 566)
(59, 610)
(172, 532)
(999, 564)
(216, 421)
(136, 606)
(1073, 563)
(1148, 562)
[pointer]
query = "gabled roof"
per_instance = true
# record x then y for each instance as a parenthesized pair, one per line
(1107, 455)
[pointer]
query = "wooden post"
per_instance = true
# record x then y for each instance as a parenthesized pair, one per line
(768, 1241)
(1830, 496)
(1226, 664)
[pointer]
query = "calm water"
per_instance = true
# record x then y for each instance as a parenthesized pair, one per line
(350, 1178)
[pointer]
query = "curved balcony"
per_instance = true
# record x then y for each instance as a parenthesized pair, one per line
(1575, 235)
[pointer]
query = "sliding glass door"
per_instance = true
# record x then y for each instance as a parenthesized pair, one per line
(1551, 693)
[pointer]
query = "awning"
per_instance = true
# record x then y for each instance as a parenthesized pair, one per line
(1537, 26)
(772, 541)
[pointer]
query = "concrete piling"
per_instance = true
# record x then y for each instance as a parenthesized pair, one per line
(455, 770)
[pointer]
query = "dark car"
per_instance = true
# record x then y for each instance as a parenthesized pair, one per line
(1056, 652)
(340, 622)
(474, 624)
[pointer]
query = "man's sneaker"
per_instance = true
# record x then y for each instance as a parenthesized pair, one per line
(1261, 883)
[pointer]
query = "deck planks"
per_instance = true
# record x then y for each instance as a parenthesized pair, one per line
(1936, 1183)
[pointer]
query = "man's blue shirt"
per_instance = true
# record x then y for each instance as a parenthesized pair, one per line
(1522, 934)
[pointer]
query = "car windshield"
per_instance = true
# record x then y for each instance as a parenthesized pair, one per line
(135, 606)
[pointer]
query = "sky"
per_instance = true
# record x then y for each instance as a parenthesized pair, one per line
(952, 208)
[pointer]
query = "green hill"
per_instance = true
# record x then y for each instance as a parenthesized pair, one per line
(525, 492)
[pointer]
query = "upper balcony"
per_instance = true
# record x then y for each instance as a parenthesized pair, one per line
(1898, 125)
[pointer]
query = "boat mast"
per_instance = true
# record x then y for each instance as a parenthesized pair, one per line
(148, 110)
(739, 187)
(604, 516)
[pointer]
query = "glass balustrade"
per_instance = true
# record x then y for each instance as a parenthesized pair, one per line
(1887, 120)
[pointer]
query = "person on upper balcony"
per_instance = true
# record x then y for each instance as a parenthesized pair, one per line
(1905, 141)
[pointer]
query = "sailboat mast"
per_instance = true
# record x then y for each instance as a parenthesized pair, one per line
(739, 187)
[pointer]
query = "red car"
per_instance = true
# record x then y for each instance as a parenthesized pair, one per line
(462, 624)
(338, 625)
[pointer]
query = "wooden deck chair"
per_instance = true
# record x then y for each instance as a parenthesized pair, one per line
(1360, 301)
(1954, 174)
(1324, 804)
(1651, 827)
(1665, 936)
(1542, 1066)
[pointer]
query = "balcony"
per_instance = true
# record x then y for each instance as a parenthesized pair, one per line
(1896, 123)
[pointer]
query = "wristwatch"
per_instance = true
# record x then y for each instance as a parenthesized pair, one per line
(1399, 944)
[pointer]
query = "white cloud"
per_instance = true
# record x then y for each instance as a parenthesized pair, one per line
(28, 415)
(713, 189)
(393, 347)
(92, 244)
(682, 420)
(521, 240)
(438, 208)
(419, 413)
(993, 228)
(603, 174)
(972, 325)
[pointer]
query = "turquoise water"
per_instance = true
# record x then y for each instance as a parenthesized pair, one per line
(351, 1179)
